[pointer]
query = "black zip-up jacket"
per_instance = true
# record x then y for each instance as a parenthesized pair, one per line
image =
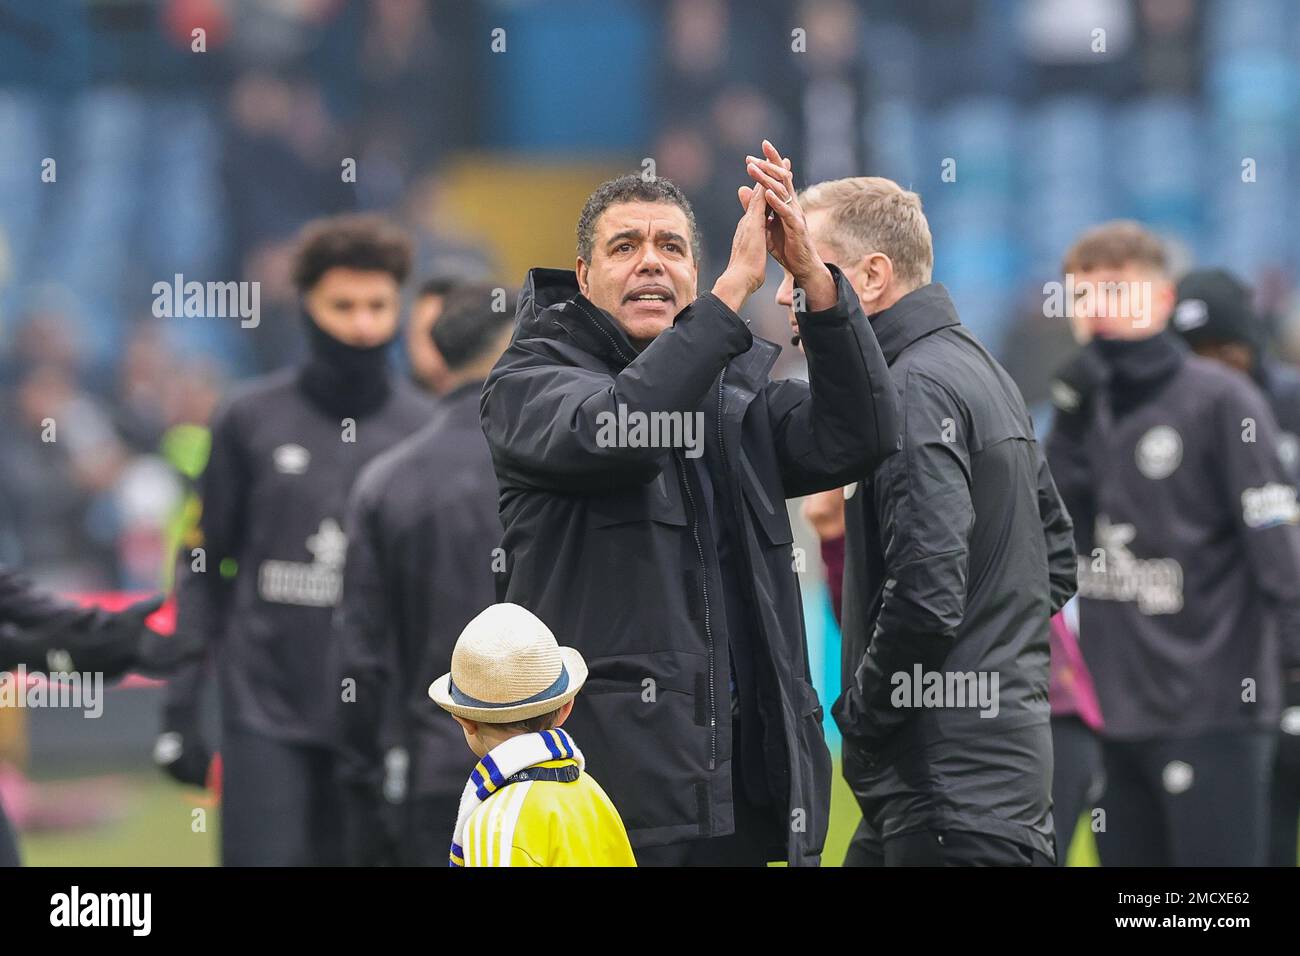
(958, 552)
(1189, 573)
(423, 535)
(286, 448)
(612, 546)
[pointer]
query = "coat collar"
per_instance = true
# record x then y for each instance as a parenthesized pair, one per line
(464, 396)
(551, 302)
(596, 332)
(1139, 362)
(914, 316)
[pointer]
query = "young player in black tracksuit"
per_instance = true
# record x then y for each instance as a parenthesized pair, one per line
(423, 538)
(286, 449)
(1191, 573)
(1214, 314)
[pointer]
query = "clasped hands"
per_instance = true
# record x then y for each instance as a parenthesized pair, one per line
(773, 223)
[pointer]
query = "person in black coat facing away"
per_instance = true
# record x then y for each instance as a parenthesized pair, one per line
(958, 552)
(423, 560)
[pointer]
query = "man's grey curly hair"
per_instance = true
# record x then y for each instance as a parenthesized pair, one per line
(632, 188)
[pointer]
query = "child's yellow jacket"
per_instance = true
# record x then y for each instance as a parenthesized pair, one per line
(548, 823)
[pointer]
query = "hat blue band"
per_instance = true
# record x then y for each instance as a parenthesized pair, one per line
(458, 696)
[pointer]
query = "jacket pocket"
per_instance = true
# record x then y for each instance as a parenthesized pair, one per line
(809, 705)
(657, 500)
(641, 739)
(768, 507)
(813, 790)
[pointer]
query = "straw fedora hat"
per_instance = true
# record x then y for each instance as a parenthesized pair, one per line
(507, 666)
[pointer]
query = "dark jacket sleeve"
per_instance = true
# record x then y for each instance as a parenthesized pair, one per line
(27, 606)
(364, 644)
(1058, 530)
(31, 618)
(544, 419)
(1065, 453)
(1074, 391)
(203, 592)
(840, 424)
(923, 495)
(1263, 499)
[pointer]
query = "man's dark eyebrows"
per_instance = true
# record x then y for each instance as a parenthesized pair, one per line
(625, 234)
(671, 237)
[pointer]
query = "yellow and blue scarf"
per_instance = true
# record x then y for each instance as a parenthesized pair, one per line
(510, 762)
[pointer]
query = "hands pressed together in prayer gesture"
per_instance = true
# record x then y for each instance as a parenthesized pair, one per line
(773, 223)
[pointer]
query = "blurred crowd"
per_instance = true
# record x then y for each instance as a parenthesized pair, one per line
(170, 159)
(174, 160)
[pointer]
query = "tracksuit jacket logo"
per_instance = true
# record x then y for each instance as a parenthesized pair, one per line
(1159, 452)
(1116, 574)
(317, 584)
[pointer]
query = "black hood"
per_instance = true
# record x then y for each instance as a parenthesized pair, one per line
(552, 307)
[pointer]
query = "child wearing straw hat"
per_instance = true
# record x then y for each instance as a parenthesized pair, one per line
(528, 801)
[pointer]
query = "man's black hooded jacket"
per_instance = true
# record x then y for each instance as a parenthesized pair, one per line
(958, 552)
(613, 548)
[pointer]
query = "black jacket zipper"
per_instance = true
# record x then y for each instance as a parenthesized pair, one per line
(699, 550)
(708, 620)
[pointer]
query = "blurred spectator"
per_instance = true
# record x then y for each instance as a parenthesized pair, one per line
(1168, 51)
(1080, 45)
(60, 460)
(411, 63)
(444, 244)
(283, 162)
(834, 91)
(145, 376)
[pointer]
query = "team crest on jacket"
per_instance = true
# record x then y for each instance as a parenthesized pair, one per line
(291, 459)
(311, 585)
(1177, 776)
(1159, 452)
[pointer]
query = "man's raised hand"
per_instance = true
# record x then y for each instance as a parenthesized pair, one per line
(788, 238)
(748, 266)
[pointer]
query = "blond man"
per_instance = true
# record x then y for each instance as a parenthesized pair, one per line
(958, 553)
